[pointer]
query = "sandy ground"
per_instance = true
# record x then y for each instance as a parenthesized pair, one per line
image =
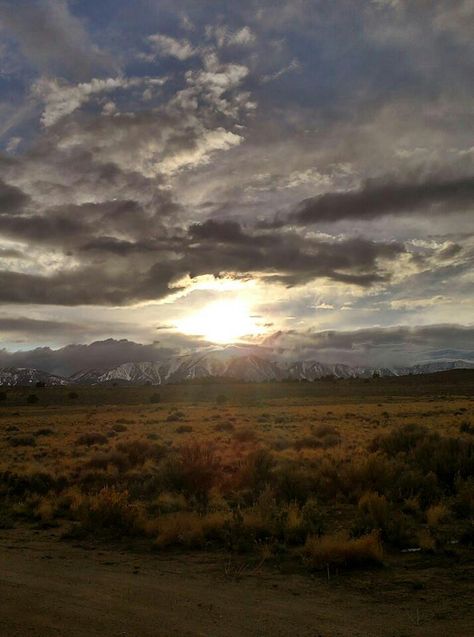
(50, 588)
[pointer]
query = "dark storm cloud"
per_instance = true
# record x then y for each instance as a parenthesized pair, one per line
(153, 267)
(378, 346)
(88, 286)
(252, 110)
(288, 257)
(25, 325)
(11, 253)
(12, 199)
(377, 199)
(372, 346)
(220, 231)
(73, 358)
(52, 38)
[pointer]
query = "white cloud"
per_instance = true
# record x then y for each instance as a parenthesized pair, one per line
(294, 65)
(166, 46)
(62, 99)
(226, 37)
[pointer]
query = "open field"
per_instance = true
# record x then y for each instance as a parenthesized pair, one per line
(327, 508)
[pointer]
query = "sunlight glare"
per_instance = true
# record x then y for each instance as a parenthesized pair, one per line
(221, 322)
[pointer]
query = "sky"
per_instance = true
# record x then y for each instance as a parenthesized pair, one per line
(188, 172)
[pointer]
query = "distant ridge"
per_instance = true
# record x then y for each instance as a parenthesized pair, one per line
(233, 363)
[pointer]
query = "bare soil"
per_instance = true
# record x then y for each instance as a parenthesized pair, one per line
(52, 588)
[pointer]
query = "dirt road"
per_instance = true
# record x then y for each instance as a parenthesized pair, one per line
(50, 588)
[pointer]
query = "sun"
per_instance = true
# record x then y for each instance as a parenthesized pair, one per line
(221, 322)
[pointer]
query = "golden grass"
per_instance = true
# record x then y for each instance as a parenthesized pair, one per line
(340, 550)
(236, 475)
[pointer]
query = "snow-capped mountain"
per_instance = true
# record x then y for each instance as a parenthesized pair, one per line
(239, 364)
(24, 376)
(235, 363)
(434, 366)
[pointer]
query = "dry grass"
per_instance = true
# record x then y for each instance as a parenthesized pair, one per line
(339, 550)
(279, 472)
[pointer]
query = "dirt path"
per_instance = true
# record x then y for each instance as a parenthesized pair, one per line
(52, 589)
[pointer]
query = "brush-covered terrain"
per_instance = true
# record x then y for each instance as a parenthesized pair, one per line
(327, 481)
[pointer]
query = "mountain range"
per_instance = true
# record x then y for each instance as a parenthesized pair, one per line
(233, 363)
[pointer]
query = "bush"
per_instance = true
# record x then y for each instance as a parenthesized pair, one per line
(91, 438)
(44, 432)
(245, 435)
(339, 550)
(18, 484)
(107, 511)
(183, 429)
(307, 442)
(293, 482)
(3, 395)
(224, 426)
(463, 504)
(321, 431)
(22, 441)
(72, 395)
(436, 514)
(314, 520)
(32, 399)
(401, 440)
(466, 427)
(256, 471)
(139, 451)
(155, 398)
(175, 416)
(189, 529)
(193, 471)
(119, 427)
(376, 514)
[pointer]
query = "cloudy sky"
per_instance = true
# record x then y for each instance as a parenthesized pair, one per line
(302, 167)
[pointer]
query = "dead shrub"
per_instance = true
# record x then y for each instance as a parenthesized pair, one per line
(256, 471)
(139, 451)
(377, 514)
(91, 438)
(401, 440)
(245, 434)
(175, 416)
(119, 427)
(307, 442)
(44, 432)
(224, 426)
(189, 529)
(193, 471)
(109, 511)
(19, 484)
(463, 503)
(293, 482)
(321, 431)
(184, 429)
(339, 550)
(24, 440)
(436, 514)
